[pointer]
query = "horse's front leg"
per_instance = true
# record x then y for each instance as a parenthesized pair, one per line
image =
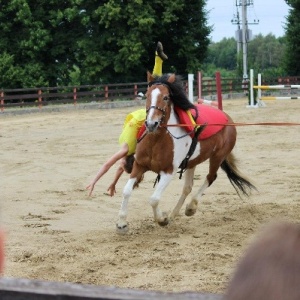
(160, 217)
(122, 225)
(187, 188)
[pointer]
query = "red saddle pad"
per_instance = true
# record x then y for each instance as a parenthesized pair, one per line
(206, 115)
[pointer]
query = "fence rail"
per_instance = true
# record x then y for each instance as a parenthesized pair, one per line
(44, 96)
(73, 94)
(24, 289)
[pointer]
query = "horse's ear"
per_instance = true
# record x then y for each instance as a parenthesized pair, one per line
(149, 77)
(171, 78)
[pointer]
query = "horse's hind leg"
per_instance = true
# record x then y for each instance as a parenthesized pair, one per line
(214, 165)
(187, 188)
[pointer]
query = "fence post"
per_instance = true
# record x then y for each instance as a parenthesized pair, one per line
(219, 90)
(135, 90)
(75, 95)
(106, 92)
(191, 87)
(2, 101)
(199, 85)
(40, 98)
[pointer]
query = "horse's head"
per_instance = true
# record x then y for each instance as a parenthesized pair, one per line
(158, 101)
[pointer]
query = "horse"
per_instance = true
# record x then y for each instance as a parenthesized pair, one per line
(166, 145)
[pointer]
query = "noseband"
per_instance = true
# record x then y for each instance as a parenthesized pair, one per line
(163, 110)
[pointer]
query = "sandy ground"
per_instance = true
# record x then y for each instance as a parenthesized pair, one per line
(55, 232)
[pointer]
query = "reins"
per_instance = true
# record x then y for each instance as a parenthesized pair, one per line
(177, 137)
(239, 124)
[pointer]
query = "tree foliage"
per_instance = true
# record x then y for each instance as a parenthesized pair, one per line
(292, 30)
(265, 55)
(53, 42)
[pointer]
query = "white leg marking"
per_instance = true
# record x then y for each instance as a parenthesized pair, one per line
(122, 226)
(192, 206)
(187, 188)
(159, 216)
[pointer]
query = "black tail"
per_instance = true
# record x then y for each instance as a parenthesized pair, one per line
(235, 178)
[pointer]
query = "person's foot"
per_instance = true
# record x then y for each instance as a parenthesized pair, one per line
(160, 51)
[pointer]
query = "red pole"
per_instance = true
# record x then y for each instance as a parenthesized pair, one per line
(75, 95)
(219, 90)
(2, 101)
(40, 98)
(106, 92)
(135, 90)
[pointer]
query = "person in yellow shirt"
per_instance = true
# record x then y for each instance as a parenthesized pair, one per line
(128, 137)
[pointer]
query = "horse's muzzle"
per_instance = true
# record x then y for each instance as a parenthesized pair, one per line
(151, 126)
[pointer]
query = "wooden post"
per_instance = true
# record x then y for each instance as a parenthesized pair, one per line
(75, 95)
(40, 98)
(2, 101)
(219, 90)
(135, 90)
(106, 92)
(199, 85)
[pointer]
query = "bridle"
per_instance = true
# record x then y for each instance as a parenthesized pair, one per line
(166, 98)
(163, 110)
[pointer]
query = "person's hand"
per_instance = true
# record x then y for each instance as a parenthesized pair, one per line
(91, 188)
(112, 190)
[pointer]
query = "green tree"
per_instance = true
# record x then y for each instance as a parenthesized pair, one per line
(129, 31)
(222, 56)
(57, 42)
(292, 30)
(266, 53)
(21, 38)
(39, 36)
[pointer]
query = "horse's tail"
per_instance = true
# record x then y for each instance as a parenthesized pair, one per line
(236, 179)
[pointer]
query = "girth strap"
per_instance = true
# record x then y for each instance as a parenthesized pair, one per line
(191, 151)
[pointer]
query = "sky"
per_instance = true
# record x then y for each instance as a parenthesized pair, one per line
(270, 13)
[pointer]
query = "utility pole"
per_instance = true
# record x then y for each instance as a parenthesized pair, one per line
(243, 36)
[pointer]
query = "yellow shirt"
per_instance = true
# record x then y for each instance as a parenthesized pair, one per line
(131, 127)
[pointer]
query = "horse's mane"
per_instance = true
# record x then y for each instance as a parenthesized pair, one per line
(177, 92)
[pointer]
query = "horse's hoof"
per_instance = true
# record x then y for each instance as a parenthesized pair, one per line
(122, 229)
(190, 212)
(165, 222)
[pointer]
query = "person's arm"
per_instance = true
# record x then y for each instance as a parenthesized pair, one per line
(112, 188)
(118, 155)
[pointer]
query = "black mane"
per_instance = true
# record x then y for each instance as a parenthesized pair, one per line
(177, 91)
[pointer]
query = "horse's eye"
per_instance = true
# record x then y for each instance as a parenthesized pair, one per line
(166, 98)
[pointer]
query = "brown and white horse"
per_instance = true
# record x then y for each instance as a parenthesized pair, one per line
(164, 147)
